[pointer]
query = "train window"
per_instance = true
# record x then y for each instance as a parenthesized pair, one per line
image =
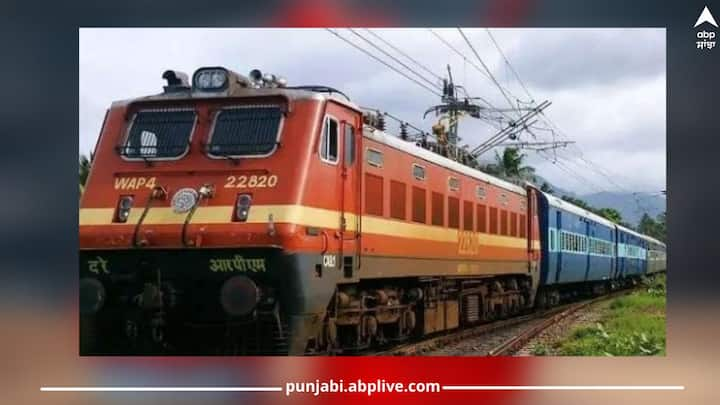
(438, 209)
(493, 220)
(251, 130)
(329, 141)
(468, 216)
(504, 222)
(551, 240)
(418, 205)
(397, 199)
(523, 226)
(418, 171)
(513, 224)
(158, 134)
(481, 218)
(374, 157)
(480, 192)
(349, 157)
(373, 194)
(453, 212)
(453, 183)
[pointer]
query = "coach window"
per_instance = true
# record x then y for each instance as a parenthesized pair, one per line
(374, 157)
(551, 240)
(329, 144)
(349, 145)
(418, 172)
(480, 192)
(453, 183)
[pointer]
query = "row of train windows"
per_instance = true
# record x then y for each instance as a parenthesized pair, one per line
(375, 158)
(572, 242)
(576, 243)
(656, 255)
(475, 217)
(633, 252)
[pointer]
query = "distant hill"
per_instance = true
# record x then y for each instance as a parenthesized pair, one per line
(631, 207)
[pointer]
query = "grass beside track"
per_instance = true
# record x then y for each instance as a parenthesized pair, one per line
(631, 325)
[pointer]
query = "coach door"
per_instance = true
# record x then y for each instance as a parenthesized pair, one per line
(349, 197)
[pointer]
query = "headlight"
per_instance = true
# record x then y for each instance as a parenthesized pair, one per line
(239, 295)
(92, 296)
(242, 207)
(184, 200)
(210, 79)
(122, 213)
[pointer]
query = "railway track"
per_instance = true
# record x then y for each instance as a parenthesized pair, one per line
(504, 337)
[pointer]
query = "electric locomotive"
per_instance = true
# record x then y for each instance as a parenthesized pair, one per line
(235, 214)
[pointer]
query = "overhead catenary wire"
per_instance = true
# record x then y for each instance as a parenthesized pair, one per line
(398, 61)
(408, 57)
(512, 69)
(366, 52)
(427, 83)
(490, 75)
(594, 167)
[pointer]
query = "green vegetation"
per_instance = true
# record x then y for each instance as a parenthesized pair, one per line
(84, 164)
(632, 325)
(509, 166)
(611, 214)
(653, 227)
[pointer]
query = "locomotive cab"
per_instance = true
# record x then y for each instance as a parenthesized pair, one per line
(205, 210)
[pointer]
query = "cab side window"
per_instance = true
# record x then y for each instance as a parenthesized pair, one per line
(349, 145)
(329, 141)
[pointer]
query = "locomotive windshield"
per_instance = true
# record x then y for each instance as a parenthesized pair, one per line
(159, 134)
(245, 131)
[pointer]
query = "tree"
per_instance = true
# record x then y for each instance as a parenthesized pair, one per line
(653, 227)
(611, 214)
(85, 163)
(509, 166)
(580, 203)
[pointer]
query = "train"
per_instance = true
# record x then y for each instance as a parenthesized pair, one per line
(233, 214)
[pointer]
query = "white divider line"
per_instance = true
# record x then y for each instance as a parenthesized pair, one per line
(563, 387)
(161, 389)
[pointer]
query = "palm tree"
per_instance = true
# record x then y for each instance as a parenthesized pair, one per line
(85, 163)
(509, 165)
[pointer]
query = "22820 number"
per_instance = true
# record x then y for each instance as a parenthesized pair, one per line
(254, 181)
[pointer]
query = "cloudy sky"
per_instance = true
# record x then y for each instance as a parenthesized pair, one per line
(607, 86)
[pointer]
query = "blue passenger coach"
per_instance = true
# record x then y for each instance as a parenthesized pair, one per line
(631, 253)
(577, 245)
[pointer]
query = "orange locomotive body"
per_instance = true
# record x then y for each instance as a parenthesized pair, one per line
(239, 215)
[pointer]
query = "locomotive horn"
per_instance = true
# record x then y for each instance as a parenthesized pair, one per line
(256, 76)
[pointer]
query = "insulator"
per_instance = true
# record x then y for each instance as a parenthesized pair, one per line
(381, 122)
(403, 131)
